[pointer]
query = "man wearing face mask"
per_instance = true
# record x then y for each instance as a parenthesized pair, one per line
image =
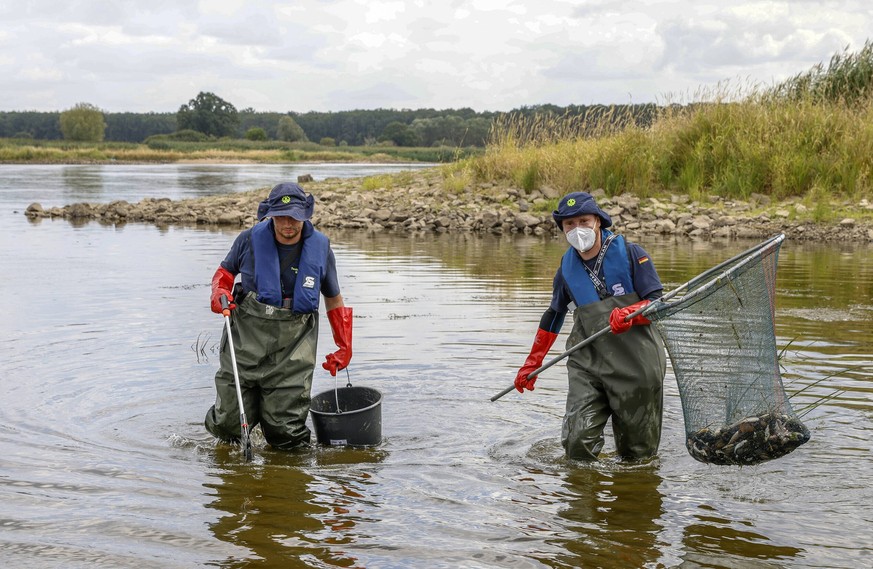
(285, 265)
(619, 375)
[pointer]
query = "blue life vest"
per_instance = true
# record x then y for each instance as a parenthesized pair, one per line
(310, 270)
(616, 272)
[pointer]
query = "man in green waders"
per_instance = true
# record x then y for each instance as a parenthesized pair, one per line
(284, 265)
(619, 375)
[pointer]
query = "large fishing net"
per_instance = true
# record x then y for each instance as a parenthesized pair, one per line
(719, 332)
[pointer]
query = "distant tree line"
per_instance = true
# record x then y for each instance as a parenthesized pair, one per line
(207, 116)
(120, 127)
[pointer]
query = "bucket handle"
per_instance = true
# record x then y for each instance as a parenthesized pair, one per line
(336, 391)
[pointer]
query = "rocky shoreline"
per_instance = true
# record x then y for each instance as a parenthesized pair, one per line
(420, 202)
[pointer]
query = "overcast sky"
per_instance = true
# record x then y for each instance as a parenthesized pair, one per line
(334, 55)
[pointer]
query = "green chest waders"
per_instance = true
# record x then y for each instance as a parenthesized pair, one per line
(619, 376)
(275, 355)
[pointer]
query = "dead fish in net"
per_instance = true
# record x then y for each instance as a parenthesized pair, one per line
(752, 440)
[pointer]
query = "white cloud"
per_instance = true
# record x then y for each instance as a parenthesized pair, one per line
(328, 55)
(383, 11)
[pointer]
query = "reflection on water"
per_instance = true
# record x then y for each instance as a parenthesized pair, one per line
(198, 181)
(715, 540)
(82, 181)
(58, 185)
(104, 461)
(301, 509)
(283, 509)
(613, 517)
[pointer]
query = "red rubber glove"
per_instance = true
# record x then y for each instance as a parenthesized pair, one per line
(541, 346)
(617, 322)
(341, 325)
(222, 284)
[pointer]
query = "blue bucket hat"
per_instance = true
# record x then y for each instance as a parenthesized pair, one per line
(262, 210)
(289, 200)
(579, 203)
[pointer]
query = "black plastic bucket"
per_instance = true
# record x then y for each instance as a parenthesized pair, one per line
(359, 422)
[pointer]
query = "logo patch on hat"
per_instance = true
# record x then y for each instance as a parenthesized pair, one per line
(286, 199)
(571, 202)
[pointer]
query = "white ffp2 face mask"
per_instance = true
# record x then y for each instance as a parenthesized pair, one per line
(581, 238)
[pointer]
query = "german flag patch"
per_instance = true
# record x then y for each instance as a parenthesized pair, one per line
(642, 260)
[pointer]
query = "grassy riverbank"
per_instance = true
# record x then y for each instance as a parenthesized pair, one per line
(26, 151)
(807, 140)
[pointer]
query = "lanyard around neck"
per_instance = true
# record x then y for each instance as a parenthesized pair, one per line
(602, 292)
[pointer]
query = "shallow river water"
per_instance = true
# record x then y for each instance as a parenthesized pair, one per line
(109, 349)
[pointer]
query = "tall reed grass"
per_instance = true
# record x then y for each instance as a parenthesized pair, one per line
(809, 136)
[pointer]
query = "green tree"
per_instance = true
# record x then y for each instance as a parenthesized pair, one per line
(475, 132)
(43, 126)
(400, 134)
(256, 133)
(209, 114)
(136, 127)
(288, 130)
(84, 122)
